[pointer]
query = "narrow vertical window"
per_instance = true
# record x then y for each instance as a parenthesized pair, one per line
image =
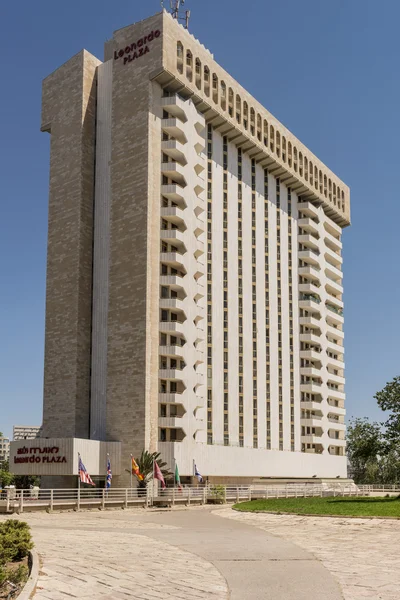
(225, 287)
(240, 297)
(279, 289)
(254, 300)
(209, 286)
(267, 321)
(291, 348)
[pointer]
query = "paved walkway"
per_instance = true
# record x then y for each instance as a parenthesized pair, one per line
(182, 554)
(363, 554)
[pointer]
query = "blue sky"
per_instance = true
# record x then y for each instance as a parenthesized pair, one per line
(327, 70)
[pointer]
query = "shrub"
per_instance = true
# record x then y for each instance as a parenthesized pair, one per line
(15, 541)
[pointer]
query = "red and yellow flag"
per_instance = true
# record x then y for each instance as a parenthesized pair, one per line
(136, 470)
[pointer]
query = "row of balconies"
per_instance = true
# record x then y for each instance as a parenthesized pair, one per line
(183, 186)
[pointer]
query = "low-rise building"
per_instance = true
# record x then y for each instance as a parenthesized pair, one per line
(26, 432)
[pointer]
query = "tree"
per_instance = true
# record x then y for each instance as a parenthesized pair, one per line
(389, 400)
(6, 478)
(146, 465)
(364, 446)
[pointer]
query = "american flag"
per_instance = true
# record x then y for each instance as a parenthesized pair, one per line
(109, 474)
(83, 474)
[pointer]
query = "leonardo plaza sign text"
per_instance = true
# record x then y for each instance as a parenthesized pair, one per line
(137, 49)
(39, 455)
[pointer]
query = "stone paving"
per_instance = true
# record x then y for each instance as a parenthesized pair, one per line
(363, 554)
(104, 556)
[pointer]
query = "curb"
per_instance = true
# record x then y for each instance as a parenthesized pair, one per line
(294, 514)
(30, 585)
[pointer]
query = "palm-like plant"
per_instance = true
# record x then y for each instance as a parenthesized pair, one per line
(146, 465)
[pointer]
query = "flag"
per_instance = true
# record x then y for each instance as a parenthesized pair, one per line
(109, 473)
(83, 474)
(177, 478)
(136, 470)
(197, 474)
(158, 475)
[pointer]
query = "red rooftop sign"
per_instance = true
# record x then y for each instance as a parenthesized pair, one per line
(137, 49)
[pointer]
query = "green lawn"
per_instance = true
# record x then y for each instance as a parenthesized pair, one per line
(358, 507)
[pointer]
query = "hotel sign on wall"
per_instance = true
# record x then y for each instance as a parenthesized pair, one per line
(39, 455)
(137, 49)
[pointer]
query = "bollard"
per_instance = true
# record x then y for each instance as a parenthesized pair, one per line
(103, 499)
(51, 500)
(204, 495)
(126, 498)
(21, 502)
(189, 497)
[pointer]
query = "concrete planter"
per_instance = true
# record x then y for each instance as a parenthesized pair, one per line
(30, 585)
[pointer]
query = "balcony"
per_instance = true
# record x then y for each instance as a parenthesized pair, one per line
(335, 302)
(311, 355)
(333, 257)
(336, 424)
(335, 441)
(310, 387)
(174, 171)
(311, 421)
(176, 106)
(175, 193)
(336, 363)
(175, 327)
(173, 236)
(310, 322)
(334, 316)
(173, 281)
(307, 209)
(334, 331)
(174, 259)
(171, 398)
(333, 288)
(333, 273)
(339, 410)
(173, 214)
(309, 241)
(311, 405)
(174, 128)
(308, 225)
(175, 150)
(332, 228)
(333, 378)
(309, 256)
(310, 372)
(171, 374)
(170, 422)
(332, 242)
(309, 289)
(336, 394)
(310, 303)
(311, 273)
(310, 439)
(174, 303)
(310, 338)
(171, 351)
(334, 347)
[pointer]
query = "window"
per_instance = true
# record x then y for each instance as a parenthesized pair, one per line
(189, 65)
(180, 57)
(206, 81)
(198, 74)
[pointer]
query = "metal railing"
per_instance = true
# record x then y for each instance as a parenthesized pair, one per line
(58, 499)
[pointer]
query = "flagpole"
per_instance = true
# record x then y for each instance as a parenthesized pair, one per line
(131, 470)
(79, 483)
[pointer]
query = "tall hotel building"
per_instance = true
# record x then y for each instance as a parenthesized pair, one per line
(194, 282)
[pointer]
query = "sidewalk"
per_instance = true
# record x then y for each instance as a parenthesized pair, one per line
(179, 554)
